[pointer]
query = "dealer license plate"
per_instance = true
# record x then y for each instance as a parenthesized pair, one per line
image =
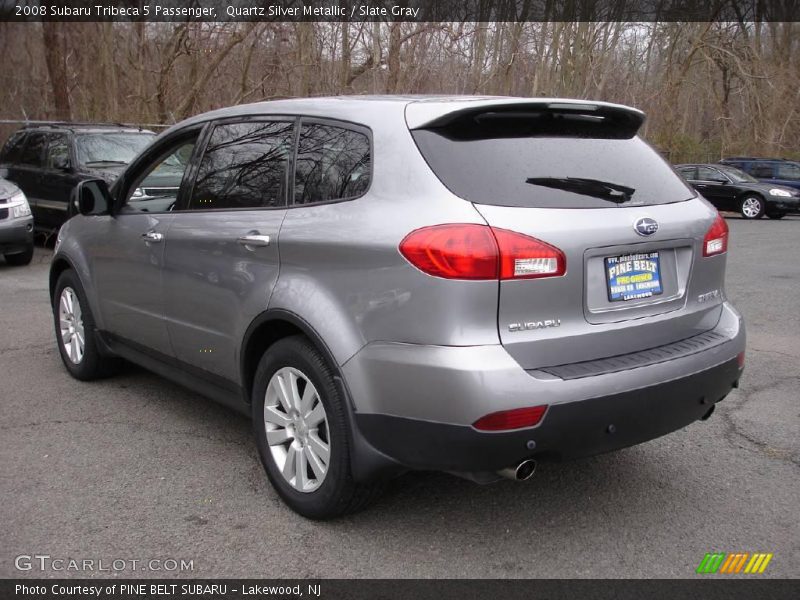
(633, 276)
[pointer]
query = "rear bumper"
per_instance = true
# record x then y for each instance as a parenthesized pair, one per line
(16, 235)
(416, 404)
(568, 430)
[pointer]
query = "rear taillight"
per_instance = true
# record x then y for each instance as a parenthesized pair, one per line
(716, 240)
(524, 257)
(517, 418)
(470, 251)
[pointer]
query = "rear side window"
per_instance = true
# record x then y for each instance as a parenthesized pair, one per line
(543, 160)
(333, 163)
(788, 171)
(33, 152)
(688, 172)
(12, 152)
(244, 166)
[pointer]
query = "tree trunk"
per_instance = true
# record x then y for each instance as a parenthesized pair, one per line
(55, 52)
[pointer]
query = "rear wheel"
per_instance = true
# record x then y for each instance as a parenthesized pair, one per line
(75, 328)
(21, 258)
(301, 432)
(752, 207)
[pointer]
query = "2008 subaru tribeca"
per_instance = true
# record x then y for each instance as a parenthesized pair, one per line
(464, 284)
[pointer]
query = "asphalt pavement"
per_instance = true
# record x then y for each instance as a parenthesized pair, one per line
(135, 468)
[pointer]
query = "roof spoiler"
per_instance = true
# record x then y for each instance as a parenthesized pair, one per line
(621, 121)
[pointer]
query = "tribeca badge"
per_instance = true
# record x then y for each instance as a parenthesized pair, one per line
(734, 562)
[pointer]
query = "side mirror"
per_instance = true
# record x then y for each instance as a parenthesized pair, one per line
(91, 197)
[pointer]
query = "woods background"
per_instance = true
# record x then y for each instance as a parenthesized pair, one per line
(709, 89)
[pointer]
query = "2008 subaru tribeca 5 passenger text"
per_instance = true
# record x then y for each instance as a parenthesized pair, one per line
(466, 284)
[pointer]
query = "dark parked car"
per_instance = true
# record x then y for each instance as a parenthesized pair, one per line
(769, 170)
(16, 225)
(728, 188)
(46, 161)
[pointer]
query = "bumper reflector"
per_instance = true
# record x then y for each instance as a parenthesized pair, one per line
(517, 418)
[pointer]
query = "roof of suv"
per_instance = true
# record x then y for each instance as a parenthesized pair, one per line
(419, 110)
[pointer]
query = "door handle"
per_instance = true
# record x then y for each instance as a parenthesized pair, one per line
(251, 241)
(152, 237)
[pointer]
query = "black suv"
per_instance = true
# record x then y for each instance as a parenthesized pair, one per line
(728, 188)
(769, 170)
(46, 161)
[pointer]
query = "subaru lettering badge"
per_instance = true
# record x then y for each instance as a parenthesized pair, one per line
(645, 226)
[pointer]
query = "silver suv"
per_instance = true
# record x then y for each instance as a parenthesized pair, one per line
(391, 283)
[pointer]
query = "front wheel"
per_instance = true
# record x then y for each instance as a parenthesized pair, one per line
(301, 432)
(75, 327)
(752, 207)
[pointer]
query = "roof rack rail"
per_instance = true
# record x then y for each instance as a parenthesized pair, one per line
(756, 158)
(26, 124)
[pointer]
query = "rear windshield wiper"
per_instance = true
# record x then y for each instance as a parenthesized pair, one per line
(613, 192)
(105, 162)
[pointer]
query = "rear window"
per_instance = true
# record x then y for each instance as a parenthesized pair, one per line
(545, 162)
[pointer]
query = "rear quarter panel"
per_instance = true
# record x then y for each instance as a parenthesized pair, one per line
(342, 272)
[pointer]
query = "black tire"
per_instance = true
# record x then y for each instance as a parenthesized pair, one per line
(337, 494)
(746, 203)
(93, 364)
(20, 259)
(776, 215)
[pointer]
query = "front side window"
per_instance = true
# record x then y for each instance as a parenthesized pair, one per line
(156, 187)
(32, 154)
(333, 163)
(738, 176)
(57, 156)
(788, 171)
(244, 166)
(98, 149)
(709, 174)
(762, 170)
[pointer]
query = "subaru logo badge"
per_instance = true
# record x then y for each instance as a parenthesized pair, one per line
(645, 226)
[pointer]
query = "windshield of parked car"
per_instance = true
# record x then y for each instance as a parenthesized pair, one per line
(95, 149)
(738, 176)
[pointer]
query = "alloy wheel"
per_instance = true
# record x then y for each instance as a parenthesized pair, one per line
(751, 207)
(297, 429)
(70, 324)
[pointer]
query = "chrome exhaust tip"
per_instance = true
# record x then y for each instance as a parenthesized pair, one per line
(522, 472)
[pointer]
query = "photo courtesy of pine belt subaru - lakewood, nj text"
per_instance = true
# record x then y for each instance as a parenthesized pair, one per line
(468, 284)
